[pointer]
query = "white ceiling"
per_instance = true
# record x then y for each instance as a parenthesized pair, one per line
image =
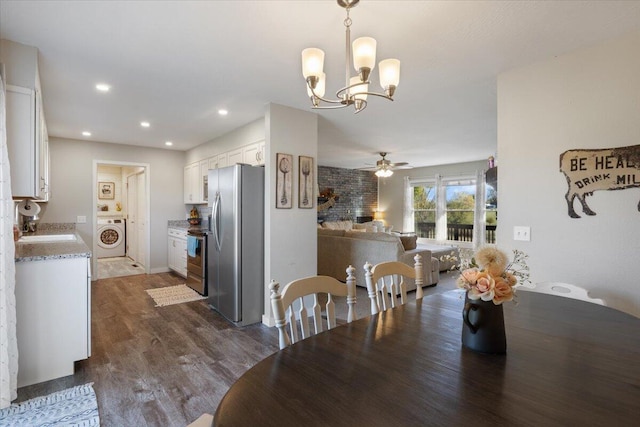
(175, 63)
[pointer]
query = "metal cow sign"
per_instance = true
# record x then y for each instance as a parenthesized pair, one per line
(600, 169)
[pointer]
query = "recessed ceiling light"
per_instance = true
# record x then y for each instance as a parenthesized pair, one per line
(168, 143)
(145, 124)
(103, 87)
(86, 133)
(223, 112)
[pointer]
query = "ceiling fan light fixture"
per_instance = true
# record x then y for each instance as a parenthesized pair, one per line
(363, 55)
(384, 173)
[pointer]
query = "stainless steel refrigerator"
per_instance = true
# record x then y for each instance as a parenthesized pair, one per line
(235, 260)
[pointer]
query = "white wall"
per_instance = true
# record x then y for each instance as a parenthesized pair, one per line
(72, 187)
(391, 190)
(111, 174)
(290, 237)
(587, 99)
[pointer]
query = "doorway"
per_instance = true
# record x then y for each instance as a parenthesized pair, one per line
(121, 213)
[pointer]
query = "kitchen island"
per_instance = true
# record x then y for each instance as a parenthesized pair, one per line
(53, 306)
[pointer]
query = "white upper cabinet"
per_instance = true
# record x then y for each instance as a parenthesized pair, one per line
(253, 154)
(27, 139)
(235, 156)
(203, 181)
(191, 178)
(223, 160)
(196, 174)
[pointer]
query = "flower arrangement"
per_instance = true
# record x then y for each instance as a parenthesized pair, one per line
(490, 276)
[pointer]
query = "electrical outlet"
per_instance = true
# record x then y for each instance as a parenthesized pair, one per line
(522, 233)
(81, 219)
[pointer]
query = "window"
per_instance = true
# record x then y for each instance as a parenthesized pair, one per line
(460, 196)
(491, 213)
(451, 209)
(424, 210)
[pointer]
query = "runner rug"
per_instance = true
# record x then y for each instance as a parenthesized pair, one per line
(76, 406)
(173, 295)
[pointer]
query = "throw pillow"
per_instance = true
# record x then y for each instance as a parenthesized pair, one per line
(409, 242)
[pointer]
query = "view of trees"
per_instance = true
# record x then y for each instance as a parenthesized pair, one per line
(424, 204)
(460, 208)
(492, 206)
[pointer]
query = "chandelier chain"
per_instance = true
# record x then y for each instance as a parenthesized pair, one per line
(347, 20)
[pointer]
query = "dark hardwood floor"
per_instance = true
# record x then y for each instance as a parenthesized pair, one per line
(159, 366)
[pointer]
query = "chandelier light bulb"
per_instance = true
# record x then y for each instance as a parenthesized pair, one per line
(389, 70)
(359, 91)
(364, 53)
(312, 62)
(320, 86)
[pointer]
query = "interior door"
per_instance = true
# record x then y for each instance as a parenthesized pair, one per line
(132, 217)
(141, 225)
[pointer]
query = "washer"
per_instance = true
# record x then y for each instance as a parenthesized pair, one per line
(111, 241)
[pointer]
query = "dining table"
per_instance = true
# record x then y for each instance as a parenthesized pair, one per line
(568, 363)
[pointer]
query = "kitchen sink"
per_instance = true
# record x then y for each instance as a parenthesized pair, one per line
(43, 238)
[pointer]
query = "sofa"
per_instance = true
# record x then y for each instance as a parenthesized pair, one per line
(339, 248)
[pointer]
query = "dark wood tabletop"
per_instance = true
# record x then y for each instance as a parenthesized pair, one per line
(568, 363)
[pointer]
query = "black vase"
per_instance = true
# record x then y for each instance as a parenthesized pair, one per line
(483, 326)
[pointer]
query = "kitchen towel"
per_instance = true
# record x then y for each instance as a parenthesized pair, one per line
(192, 245)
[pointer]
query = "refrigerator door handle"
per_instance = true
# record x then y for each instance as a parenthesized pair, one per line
(216, 220)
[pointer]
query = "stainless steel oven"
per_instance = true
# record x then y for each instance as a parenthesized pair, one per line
(197, 260)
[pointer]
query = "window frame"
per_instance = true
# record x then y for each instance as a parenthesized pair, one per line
(440, 184)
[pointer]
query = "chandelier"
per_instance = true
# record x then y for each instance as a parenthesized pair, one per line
(356, 88)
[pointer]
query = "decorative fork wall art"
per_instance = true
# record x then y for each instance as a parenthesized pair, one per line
(306, 195)
(284, 186)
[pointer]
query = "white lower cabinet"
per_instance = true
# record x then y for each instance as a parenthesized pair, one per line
(177, 251)
(53, 314)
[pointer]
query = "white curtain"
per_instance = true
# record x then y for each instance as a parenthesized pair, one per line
(8, 341)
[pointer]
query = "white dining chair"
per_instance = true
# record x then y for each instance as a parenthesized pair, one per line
(282, 304)
(387, 279)
(564, 290)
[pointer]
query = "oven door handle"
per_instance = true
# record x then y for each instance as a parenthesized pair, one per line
(216, 220)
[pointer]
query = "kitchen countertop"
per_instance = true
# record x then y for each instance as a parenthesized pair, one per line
(51, 250)
(184, 225)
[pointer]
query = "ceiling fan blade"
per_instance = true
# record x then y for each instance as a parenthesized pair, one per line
(395, 165)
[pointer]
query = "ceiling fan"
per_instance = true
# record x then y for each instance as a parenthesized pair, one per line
(384, 168)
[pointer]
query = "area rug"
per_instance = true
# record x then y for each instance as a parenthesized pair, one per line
(75, 406)
(173, 295)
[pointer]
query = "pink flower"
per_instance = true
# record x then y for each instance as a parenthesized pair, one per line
(470, 275)
(484, 288)
(484, 282)
(502, 290)
(510, 278)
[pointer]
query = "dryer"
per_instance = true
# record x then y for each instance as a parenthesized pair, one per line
(111, 237)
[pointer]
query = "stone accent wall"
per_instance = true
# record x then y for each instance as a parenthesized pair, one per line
(357, 191)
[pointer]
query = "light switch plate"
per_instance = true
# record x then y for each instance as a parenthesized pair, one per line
(81, 219)
(521, 232)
